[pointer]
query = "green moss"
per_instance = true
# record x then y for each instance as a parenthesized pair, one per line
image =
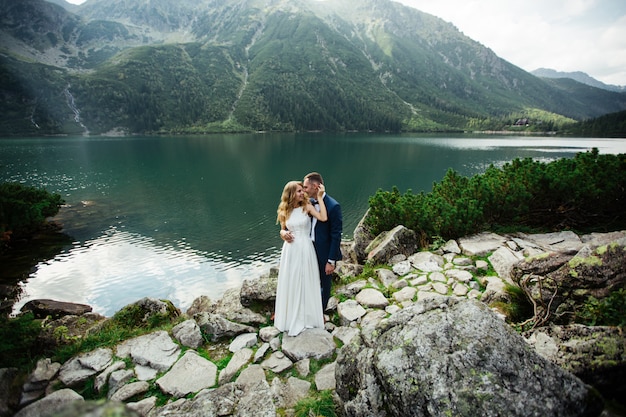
(577, 261)
(539, 256)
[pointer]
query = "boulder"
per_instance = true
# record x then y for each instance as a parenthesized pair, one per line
(231, 308)
(362, 237)
(50, 405)
(399, 240)
(450, 356)
(217, 327)
(200, 305)
(261, 290)
(66, 329)
(146, 310)
(188, 334)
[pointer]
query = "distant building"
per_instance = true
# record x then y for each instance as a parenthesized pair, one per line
(522, 122)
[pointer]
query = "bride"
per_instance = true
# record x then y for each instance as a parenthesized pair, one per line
(298, 296)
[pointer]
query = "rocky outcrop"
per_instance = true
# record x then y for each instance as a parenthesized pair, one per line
(559, 284)
(421, 335)
(595, 354)
(447, 356)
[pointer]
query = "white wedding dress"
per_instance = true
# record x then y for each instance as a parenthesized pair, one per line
(298, 296)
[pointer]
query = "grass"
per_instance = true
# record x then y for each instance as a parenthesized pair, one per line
(318, 404)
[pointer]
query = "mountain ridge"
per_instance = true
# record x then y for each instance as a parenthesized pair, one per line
(579, 76)
(265, 65)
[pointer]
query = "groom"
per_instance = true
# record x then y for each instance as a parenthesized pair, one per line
(326, 235)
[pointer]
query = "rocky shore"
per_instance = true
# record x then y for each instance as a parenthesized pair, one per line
(411, 332)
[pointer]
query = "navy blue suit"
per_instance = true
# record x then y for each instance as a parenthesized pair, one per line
(328, 243)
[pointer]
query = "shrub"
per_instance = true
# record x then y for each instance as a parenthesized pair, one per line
(610, 311)
(18, 336)
(24, 209)
(585, 193)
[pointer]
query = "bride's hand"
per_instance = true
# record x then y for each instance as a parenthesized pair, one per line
(320, 191)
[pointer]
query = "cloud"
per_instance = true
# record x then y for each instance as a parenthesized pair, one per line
(579, 35)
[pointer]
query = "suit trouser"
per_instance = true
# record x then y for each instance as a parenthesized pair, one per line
(326, 281)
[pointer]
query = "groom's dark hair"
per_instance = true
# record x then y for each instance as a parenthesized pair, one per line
(315, 177)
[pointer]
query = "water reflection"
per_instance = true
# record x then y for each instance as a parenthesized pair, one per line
(119, 267)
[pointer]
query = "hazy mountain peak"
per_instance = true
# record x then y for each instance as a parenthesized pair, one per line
(579, 76)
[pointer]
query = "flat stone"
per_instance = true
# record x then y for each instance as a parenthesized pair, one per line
(44, 308)
(451, 247)
(386, 277)
(268, 333)
(440, 287)
(325, 377)
(427, 261)
(251, 375)
(239, 360)
(481, 244)
(370, 297)
(405, 294)
(311, 343)
(459, 275)
(304, 367)
(438, 277)
(502, 261)
(289, 393)
(190, 374)
(80, 368)
(277, 363)
(242, 341)
(102, 377)
(144, 406)
(566, 242)
(260, 352)
(350, 311)
(130, 390)
(402, 268)
(118, 379)
(155, 350)
(345, 334)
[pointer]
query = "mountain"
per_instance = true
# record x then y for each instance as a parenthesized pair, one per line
(242, 65)
(579, 76)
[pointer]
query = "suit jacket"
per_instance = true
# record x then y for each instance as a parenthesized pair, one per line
(328, 233)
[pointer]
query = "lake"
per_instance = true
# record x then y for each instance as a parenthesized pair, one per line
(179, 217)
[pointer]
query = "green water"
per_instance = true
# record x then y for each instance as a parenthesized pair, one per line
(179, 217)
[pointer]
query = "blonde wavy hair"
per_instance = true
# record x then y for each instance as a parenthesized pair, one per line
(287, 201)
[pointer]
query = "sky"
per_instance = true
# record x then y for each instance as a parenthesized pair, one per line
(563, 35)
